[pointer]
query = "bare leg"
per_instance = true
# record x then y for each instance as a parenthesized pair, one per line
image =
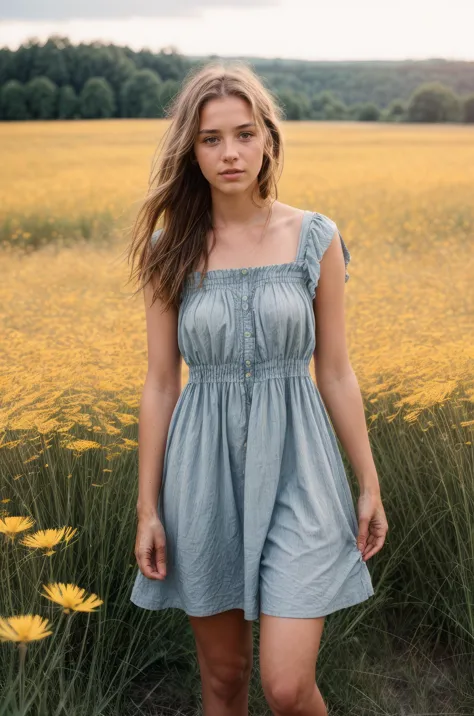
(288, 654)
(225, 654)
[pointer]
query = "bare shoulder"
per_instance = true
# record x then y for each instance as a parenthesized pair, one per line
(287, 217)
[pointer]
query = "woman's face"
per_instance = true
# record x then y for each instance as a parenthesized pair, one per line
(228, 139)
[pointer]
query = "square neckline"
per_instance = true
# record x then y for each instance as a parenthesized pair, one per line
(299, 251)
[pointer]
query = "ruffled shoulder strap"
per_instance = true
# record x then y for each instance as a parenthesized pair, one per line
(318, 237)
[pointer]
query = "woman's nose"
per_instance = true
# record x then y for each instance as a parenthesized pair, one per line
(230, 150)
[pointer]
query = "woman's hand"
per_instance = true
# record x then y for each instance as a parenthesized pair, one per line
(150, 547)
(373, 525)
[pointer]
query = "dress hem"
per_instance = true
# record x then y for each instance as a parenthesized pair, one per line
(353, 600)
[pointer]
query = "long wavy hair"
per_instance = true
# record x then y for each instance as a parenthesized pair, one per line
(179, 195)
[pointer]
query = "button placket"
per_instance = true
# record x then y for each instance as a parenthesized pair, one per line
(248, 340)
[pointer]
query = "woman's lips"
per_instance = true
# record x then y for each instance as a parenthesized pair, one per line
(231, 175)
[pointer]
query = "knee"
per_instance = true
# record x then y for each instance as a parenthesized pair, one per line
(227, 679)
(288, 694)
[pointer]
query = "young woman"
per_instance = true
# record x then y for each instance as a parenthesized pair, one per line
(244, 508)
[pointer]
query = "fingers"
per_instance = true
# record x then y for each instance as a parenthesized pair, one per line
(161, 559)
(363, 535)
(373, 526)
(150, 566)
(373, 545)
(152, 560)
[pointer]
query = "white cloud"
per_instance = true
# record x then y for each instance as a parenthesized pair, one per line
(339, 30)
(56, 10)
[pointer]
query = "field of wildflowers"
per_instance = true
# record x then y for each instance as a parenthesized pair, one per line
(72, 365)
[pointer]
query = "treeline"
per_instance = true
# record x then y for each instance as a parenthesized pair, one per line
(58, 80)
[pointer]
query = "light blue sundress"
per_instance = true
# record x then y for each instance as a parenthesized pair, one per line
(255, 502)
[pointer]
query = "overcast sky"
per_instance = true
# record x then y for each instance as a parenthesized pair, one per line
(303, 29)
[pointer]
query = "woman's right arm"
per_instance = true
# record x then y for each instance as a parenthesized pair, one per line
(161, 391)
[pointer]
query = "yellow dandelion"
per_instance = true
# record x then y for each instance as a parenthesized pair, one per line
(126, 418)
(11, 444)
(129, 444)
(65, 428)
(83, 419)
(71, 597)
(5, 500)
(105, 406)
(82, 445)
(24, 628)
(11, 526)
(412, 416)
(113, 454)
(68, 533)
(47, 539)
(111, 429)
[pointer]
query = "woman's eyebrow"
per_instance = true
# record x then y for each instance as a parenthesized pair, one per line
(215, 131)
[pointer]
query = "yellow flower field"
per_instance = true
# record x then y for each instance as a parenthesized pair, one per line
(72, 367)
(73, 338)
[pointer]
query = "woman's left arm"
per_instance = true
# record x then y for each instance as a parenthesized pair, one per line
(340, 392)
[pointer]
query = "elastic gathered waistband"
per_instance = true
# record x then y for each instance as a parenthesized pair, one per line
(264, 370)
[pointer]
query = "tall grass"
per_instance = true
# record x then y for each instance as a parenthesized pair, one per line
(71, 371)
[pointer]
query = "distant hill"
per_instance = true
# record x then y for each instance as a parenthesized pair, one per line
(378, 81)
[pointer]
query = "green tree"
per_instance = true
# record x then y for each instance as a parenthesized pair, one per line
(86, 61)
(325, 105)
(67, 103)
(396, 111)
(41, 98)
(49, 60)
(335, 110)
(13, 101)
(468, 109)
(320, 104)
(97, 99)
(368, 112)
(295, 105)
(354, 110)
(6, 65)
(434, 102)
(140, 95)
(168, 64)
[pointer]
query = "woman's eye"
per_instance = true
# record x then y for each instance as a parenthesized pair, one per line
(244, 135)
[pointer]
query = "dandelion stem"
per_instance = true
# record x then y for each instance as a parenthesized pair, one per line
(21, 669)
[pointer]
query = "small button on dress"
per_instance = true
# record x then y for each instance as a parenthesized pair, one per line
(255, 503)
